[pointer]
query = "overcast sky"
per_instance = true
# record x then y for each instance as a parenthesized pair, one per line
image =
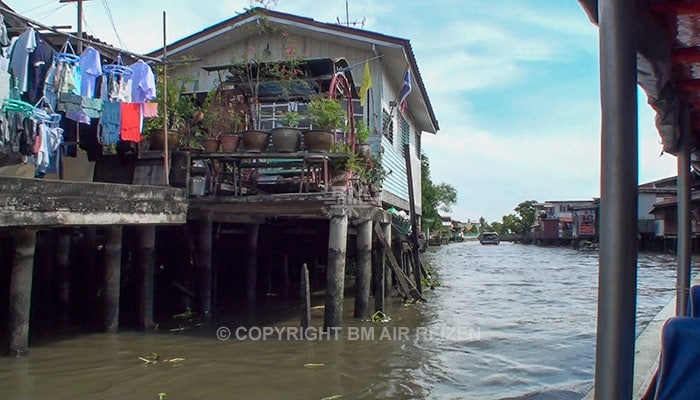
(514, 84)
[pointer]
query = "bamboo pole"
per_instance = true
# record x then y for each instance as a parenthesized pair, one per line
(165, 107)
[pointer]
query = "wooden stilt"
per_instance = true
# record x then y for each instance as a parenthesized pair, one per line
(112, 277)
(203, 267)
(285, 273)
(89, 301)
(335, 272)
(268, 273)
(364, 269)
(378, 278)
(21, 291)
(404, 283)
(146, 259)
(62, 265)
(305, 294)
(251, 261)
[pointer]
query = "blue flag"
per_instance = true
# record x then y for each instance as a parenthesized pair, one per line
(405, 90)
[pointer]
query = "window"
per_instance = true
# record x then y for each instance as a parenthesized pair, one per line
(418, 137)
(387, 126)
(405, 130)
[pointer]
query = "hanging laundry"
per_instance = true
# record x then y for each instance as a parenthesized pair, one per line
(110, 123)
(80, 108)
(131, 122)
(143, 82)
(40, 62)
(150, 110)
(90, 69)
(19, 59)
(4, 41)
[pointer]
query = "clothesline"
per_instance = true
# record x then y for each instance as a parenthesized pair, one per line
(71, 36)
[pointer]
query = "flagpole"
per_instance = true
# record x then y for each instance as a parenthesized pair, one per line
(395, 102)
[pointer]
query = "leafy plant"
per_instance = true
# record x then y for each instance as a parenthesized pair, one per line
(290, 119)
(325, 113)
(350, 161)
(181, 107)
(374, 173)
(218, 117)
(361, 131)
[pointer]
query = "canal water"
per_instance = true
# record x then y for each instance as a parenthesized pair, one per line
(508, 322)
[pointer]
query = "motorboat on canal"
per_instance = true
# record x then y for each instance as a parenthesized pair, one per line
(489, 238)
(651, 44)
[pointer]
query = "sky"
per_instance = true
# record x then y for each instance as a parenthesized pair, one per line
(514, 84)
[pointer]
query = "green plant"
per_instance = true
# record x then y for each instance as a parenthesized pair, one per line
(218, 117)
(349, 161)
(361, 131)
(181, 107)
(290, 119)
(325, 113)
(374, 172)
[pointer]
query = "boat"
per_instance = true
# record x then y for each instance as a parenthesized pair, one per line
(489, 238)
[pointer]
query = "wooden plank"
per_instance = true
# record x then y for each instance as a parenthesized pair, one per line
(414, 222)
(404, 283)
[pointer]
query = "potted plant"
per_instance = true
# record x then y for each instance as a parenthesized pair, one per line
(344, 164)
(374, 173)
(362, 148)
(325, 115)
(287, 138)
(221, 123)
(180, 109)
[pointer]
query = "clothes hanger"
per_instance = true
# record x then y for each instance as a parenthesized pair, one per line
(65, 56)
(118, 68)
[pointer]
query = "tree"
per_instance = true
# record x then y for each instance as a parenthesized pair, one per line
(526, 211)
(440, 197)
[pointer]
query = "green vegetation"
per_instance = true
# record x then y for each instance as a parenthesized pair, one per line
(513, 224)
(436, 197)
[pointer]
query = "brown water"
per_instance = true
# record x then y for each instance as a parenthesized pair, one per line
(509, 321)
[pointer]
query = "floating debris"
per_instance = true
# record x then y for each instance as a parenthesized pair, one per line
(380, 317)
(334, 397)
(314, 365)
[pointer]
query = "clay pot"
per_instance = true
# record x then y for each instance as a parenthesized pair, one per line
(157, 140)
(286, 140)
(211, 145)
(229, 142)
(363, 150)
(318, 141)
(255, 141)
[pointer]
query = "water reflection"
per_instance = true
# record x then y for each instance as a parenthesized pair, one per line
(508, 322)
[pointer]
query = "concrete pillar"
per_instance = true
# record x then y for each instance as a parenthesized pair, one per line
(112, 277)
(387, 269)
(251, 261)
(21, 291)
(146, 247)
(285, 273)
(378, 280)
(335, 273)
(364, 269)
(305, 297)
(203, 266)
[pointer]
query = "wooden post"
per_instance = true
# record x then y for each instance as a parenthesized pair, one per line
(89, 301)
(112, 277)
(21, 291)
(364, 269)
(414, 220)
(387, 269)
(146, 259)
(251, 261)
(335, 273)
(62, 264)
(203, 267)
(305, 293)
(285, 273)
(378, 278)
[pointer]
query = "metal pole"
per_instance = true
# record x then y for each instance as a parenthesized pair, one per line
(618, 205)
(684, 207)
(80, 26)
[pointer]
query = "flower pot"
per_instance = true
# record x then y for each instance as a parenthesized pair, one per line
(286, 140)
(339, 178)
(211, 145)
(363, 150)
(255, 141)
(157, 140)
(229, 142)
(318, 141)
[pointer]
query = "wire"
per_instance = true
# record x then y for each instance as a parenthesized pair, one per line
(52, 11)
(114, 27)
(50, 2)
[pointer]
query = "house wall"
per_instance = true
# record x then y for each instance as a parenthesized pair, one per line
(384, 91)
(646, 202)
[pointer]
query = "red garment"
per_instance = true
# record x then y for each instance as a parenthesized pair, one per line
(131, 122)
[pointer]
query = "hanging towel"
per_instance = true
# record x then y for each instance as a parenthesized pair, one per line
(131, 122)
(110, 123)
(150, 110)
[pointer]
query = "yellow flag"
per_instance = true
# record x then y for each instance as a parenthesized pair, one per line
(366, 84)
